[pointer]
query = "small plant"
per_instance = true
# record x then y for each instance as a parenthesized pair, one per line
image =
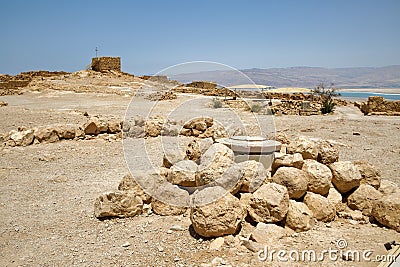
(326, 94)
(217, 103)
(255, 108)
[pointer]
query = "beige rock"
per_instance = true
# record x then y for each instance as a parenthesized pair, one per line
(320, 206)
(269, 203)
(245, 200)
(207, 133)
(130, 185)
(193, 150)
(336, 199)
(268, 233)
(217, 243)
(370, 174)
(172, 157)
(67, 131)
(327, 152)
(165, 209)
(153, 127)
(282, 138)
(319, 176)
(183, 173)
(303, 145)
(295, 180)
(388, 187)
(22, 138)
(287, 160)
(114, 126)
(254, 175)
(345, 176)
(46, 135)
(221, 217)
(363, 199)
(200, 124)
(186, 132)
(299, 217)
(91, 127)
(386, 211)
(231, 179)
(117, 204)
(214, 163)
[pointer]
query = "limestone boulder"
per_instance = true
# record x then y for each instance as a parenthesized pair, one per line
(320, 206)
(287, 160)
(214, 163)
(221, 217)
(327, 152)
(171, 157)
(319, 176)
(165, 209)
(282, 138)
(295, 180)
(193, 150)
(363, 199)
(114, 126)
(303, 145)
(67, 131)
(183, 173)
(46, 135)
(231, 179)
(117, 204)
(22, 138)
(345, 176)
(129, 184)
(388, 187)
(136, 132)
(370, 174)
(386, 211)
(254, 175)
(299, 217)
(336, 199)
(153, 127)
(269, 203)
(268, 233)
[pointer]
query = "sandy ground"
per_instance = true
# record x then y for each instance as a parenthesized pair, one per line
(47, 191)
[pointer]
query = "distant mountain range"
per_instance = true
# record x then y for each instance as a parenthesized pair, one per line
(362, 77)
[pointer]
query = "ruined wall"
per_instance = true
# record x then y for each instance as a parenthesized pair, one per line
(377, 105)
(106, 63)
(202, 84)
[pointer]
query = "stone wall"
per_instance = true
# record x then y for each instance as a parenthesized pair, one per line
(377, 105)
(106, 63)
(202, 84)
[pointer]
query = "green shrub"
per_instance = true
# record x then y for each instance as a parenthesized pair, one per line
(217, 103)
(255, 108)
(326, 94)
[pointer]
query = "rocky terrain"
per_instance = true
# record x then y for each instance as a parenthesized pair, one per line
(63, 167)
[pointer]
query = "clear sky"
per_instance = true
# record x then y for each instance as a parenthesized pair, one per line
(152, 35)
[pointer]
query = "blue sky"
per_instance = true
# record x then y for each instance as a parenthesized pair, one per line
(153, 35)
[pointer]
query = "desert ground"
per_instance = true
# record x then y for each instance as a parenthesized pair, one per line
(48, 190)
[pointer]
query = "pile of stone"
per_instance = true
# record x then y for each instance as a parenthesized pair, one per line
(307, 183)
(3, 104)
(162, 96)
(296, 107)
(94, 127)
(377, 105)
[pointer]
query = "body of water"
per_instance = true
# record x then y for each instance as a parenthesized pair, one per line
(365, 95)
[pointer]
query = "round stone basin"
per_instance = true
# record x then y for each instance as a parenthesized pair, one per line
(251, 145)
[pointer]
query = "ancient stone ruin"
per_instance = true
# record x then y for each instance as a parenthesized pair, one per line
(377, 105)
(106, 64)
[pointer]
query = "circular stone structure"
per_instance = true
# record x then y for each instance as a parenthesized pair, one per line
(256, 148)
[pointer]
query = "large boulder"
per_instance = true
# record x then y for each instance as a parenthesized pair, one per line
(67, 131)
(221, 217)
(320, 206)
(117, 204)
(214, 163)
(171, 157)
(327, 152)
(295, 180)
(287, 160)
(46, 135)
(345, 176)
(22, 138)
(269, 203)
(129, 184)
(370, 174)
(95, 126)
(336, 199)
(386, 211)
(168, 199)
(303, 145)
(254, 175)
(153, 127)
(183, 173)
(319, 176)
(299, 217)
(363, 199)
(114, 126)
